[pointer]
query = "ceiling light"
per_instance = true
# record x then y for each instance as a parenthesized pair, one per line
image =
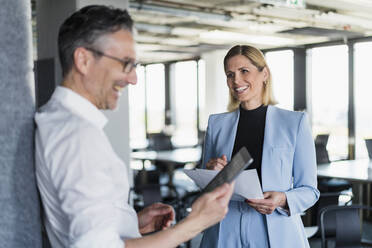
(225, 36)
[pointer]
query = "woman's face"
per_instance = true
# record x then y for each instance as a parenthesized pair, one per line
(245, 81)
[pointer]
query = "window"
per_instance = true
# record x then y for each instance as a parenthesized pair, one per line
(185, 99)
(203, 118)
(362, 97)
(329, 100)
(281, 67)
(137, 111)
(155, 97)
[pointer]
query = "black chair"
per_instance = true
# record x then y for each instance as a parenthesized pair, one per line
(369, 147)
(148, 190)
(321, 141)
(322, 157)
(342, 224)
(312, 218)
(159, 142)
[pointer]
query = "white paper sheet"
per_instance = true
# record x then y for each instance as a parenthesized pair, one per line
(247, 184)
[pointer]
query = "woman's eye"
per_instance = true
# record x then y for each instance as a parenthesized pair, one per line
(229, 75)
(244, 70)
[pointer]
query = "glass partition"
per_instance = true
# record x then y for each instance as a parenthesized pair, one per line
(137, 128)
(329, 96)
(155, 97)
(185, 99)
(281, 67)
(363, 97)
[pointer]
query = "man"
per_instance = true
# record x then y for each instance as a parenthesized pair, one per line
(83, 184)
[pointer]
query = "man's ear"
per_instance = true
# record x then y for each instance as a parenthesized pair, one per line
(82, 60)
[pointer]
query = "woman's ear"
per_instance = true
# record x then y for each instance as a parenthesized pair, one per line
(265, 71)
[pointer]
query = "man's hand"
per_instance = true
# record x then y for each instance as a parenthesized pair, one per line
(157, 216)
(217, 163)
(211, 207)
(271, 201)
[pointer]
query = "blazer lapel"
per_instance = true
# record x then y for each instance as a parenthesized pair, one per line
(226, 135)
(267, 145)
(231, 141)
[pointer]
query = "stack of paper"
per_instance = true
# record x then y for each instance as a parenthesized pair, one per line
(247, 184)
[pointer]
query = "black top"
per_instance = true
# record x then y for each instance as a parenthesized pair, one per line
(250, 133)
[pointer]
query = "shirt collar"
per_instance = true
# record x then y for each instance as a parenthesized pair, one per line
(80, 106)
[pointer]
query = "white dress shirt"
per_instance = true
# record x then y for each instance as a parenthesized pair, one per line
(83, 184)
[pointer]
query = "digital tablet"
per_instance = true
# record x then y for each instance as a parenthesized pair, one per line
(238, 163)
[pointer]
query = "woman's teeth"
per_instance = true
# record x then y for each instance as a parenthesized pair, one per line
(241, 89)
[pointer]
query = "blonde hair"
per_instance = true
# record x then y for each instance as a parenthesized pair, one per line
(257, 58)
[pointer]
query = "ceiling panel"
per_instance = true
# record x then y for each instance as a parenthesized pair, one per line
(211, 24)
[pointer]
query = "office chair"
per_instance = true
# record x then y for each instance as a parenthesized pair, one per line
(159, 142)
(325, 200)
(149, 193)
(322, 157)
(369, 147)
(345, 225)
(321, 141)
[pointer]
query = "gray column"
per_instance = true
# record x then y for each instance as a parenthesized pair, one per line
(299, 62)
(19, 203)
(351, 112)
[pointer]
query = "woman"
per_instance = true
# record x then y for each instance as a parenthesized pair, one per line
(281, 144)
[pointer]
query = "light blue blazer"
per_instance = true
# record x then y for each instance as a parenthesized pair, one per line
(288, 165)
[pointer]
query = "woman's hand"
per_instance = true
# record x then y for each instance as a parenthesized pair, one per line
(156, 217)
(271, 201)
(217, 163)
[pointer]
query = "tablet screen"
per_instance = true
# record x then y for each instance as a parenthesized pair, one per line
(238, 163)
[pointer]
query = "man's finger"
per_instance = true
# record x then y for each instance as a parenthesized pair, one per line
(162, 210)
(219, 191)
(225, 198)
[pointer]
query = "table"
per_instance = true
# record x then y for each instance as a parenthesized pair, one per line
(171, 158)
(178, 156)
(358, 172)
(355, 171)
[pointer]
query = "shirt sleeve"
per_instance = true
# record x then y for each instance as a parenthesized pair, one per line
(84, 174)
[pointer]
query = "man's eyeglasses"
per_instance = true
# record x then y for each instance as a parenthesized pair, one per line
(128, 64)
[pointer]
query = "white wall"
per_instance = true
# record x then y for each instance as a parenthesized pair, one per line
(216, 90)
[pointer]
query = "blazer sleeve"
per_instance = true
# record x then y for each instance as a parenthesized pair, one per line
(304, 193)
(208, 144)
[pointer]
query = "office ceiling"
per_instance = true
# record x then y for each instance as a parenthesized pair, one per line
(170, 30)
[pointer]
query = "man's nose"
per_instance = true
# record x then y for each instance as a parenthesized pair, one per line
(132, 77)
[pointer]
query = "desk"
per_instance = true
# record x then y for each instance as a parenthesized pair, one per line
(355, 171)
(177, 156)
(170, 158)
(358, 172)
